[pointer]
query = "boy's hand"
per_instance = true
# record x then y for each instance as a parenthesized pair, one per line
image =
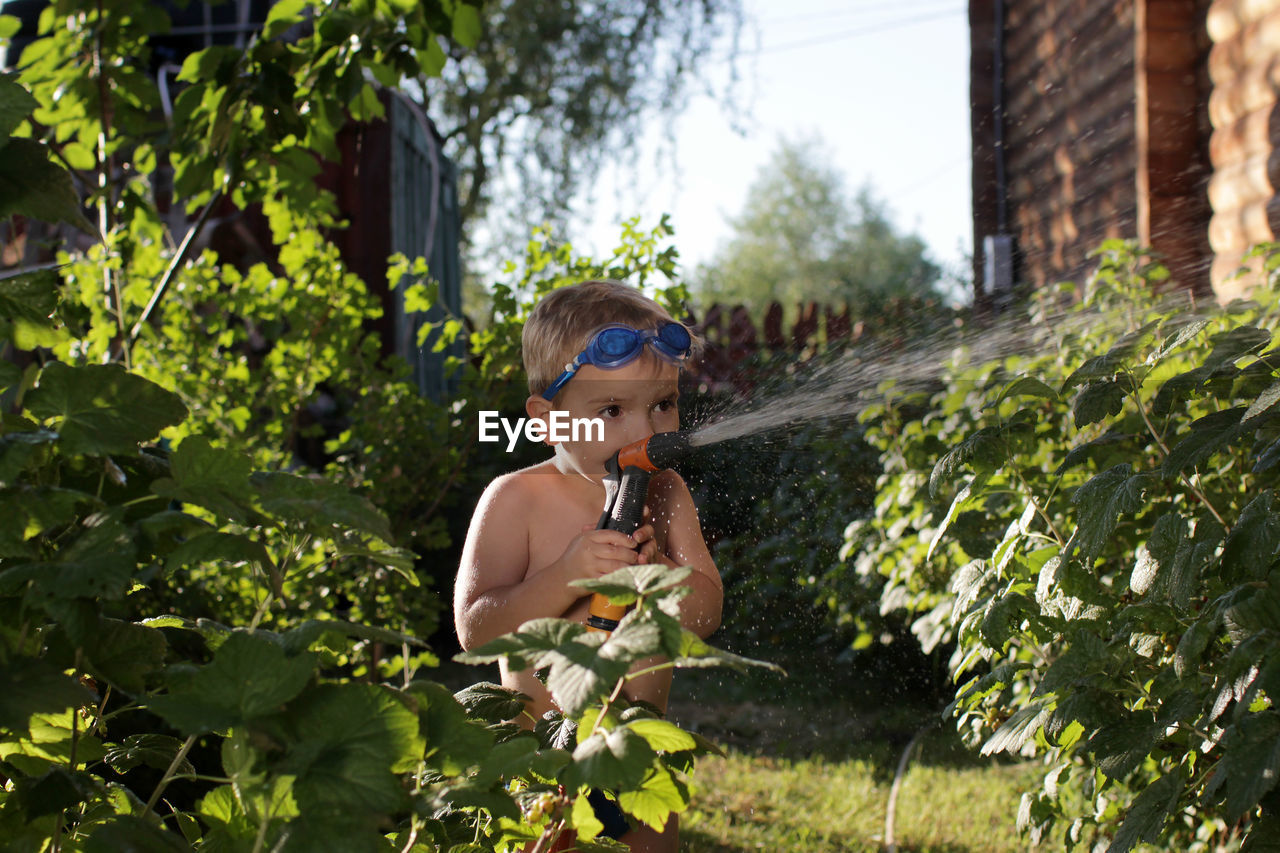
(644, 537)
(595, 553)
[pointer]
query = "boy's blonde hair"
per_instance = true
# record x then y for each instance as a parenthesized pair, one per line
(560, 325)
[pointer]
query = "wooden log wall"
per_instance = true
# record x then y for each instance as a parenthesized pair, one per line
(1244, 66)
(1070, 132)
(1172, 135)
(1106, 131)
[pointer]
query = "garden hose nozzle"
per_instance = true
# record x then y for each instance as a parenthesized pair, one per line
(626, 487)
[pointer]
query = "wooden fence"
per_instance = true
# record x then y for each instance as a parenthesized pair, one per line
(732, 339)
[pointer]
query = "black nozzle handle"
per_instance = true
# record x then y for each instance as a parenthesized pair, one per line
(624, 512)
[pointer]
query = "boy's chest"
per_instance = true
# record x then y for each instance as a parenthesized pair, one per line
(554, 525)
(559, 517)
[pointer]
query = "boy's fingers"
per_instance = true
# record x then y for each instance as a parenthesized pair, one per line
(615, 537)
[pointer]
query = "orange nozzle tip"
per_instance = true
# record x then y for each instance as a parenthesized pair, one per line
(636, 455)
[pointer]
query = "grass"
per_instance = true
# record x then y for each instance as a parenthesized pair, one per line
(816, 776)
(814, 772)
(753, 802)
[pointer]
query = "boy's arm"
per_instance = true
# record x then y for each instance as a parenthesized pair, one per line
(492, 596)
(494, 593)
(700, 610)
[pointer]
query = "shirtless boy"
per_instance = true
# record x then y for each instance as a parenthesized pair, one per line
(598, 349)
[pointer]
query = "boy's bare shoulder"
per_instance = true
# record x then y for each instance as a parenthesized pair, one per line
(668, 482)
(522, 484)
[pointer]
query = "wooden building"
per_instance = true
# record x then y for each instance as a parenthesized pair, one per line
(1150, 119)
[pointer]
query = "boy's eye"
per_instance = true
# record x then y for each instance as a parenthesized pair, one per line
(666, 405)
(611, 411)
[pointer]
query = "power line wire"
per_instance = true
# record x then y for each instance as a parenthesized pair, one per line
(846, 12)
(861, 31)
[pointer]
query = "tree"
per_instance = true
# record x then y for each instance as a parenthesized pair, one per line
(554, 88)
(799, 237)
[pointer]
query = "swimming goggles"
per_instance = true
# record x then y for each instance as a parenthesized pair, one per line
(614, 346)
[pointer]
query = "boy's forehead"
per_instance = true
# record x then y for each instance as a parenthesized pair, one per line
(630, 381)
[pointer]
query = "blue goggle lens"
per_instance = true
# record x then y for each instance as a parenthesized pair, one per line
(614, 346)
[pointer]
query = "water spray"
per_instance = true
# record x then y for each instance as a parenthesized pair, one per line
(626, 488)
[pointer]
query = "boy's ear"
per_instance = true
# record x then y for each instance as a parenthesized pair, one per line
(539, 408)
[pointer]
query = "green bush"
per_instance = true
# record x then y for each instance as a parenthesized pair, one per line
(172, 674)
(1093, 523)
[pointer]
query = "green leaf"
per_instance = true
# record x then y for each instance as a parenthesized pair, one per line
(1207, 435)
(466, 25)
(1148, 813)
(54, 791)
(1120, 746)
(578, 673)
(1085, 653)
(662, 735)
(124, 654)
(491, 702)
(16, 103)
(215, 547)
(1252, 757)
(1230, 345)
(250, 676)
(135, 835)
(1096, 449)
(30, 298)
(969, 496)
(1162, 561)
(32, 686)
(349, 742)
(1018, 729)
(1267, 457)
(1182, 330)
(1101, 501)
(1191, 648)
(283, 15)
(16, 450)
(583, 818)
(1263, 404)
(1097, 401)
(506, 760)
(617, 760)
(984, 450)
(214, 478)
(1026, 386)
(528, 647)
(454, 743)
(641, 634)
(103, 409)
(32, 185)
(152, 750)
(10, 376)
(1254, 541)
(302, 637)
(1263, 834)
(319, 504)
(98, 563)
(659, 796)
(1259, 611)
(696, 652)
(627, 585)
(1099, 367)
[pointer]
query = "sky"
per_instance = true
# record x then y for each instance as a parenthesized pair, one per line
(884, 85)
